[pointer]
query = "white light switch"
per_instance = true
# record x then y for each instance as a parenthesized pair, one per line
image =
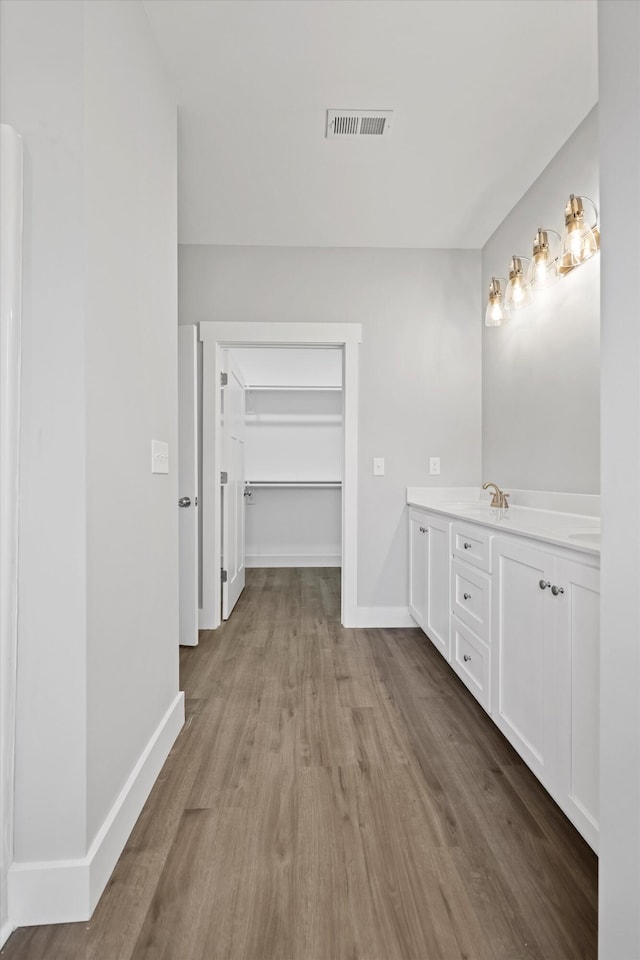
(378, 466)
(434, 466)
(159, 456)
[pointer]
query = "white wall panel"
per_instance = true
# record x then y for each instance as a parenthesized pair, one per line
(541, 370)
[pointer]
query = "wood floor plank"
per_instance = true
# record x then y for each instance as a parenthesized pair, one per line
(335, 795)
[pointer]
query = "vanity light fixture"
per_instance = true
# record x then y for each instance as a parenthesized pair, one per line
(581, 240)
(518, 293)
(543, 266)
(496, 313)
(553, 257)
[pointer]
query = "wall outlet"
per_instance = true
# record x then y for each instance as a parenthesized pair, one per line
(159, 456)
(434, 466)
(378, 466)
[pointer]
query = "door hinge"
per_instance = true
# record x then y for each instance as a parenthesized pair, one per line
(224, 379)
(224, 476)
(223, 576)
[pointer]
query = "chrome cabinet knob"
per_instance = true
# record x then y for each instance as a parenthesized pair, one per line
(423, 529)
(466, 657)
(467, 546)
(544, 584)
(184, 502)
(556, 590)
(467, 596)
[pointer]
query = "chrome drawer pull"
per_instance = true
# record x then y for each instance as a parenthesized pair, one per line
(466, 657)
(467, 546)
(467, 596)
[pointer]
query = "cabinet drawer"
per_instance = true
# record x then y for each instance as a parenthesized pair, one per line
(471, 660)
(473, 545)
(471, 598)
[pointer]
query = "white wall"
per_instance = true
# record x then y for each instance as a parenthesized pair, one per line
(619, 875)
(97, 644)
(41, 96)
(294, 528)
(419, 365)
(131, 394)
(541, 376)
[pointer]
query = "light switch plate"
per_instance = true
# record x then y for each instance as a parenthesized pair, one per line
(434, 466)
(159, 456)
(378, 466)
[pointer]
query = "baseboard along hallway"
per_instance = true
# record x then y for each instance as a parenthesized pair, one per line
(335, 794)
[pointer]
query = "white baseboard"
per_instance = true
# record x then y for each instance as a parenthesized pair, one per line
(66, 891)
(5, 932)
(384, 617)
(293, 560)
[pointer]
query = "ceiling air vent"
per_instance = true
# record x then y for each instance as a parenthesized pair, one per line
(359, 123)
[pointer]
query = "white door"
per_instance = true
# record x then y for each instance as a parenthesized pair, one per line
(233, 487)
(188, 483)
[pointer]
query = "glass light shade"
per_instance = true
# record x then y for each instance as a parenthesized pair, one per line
(496, 313)
(543, 266)
(581, 239)
(518, 293)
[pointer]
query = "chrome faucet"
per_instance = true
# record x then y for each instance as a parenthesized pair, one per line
(498, 498)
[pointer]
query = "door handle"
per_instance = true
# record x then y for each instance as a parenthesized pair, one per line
(184, 502)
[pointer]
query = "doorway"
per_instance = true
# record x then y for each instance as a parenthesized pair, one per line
(282, 447)
(220, 337)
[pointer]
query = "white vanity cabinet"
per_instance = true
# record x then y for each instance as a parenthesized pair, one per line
(524, 687)
(578, 671)
(430, 549)
(545, 670)
(517, 617)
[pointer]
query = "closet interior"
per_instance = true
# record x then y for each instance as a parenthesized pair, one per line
(293, 455)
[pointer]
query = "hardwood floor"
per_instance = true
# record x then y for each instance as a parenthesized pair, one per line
(335, 794)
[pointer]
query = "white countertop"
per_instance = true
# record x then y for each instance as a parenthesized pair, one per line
(578, 531)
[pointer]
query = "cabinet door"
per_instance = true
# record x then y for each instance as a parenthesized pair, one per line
(438, 604)
(418, 535)
(523, 700)
(578, 645)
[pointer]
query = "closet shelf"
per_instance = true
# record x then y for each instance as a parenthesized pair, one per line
(300, 419)
(282, 389)
(300, 484)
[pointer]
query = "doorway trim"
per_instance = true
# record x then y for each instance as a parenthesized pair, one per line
(11, 192)
(215, 335)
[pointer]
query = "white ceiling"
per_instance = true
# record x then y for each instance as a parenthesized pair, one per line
(484, 91)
